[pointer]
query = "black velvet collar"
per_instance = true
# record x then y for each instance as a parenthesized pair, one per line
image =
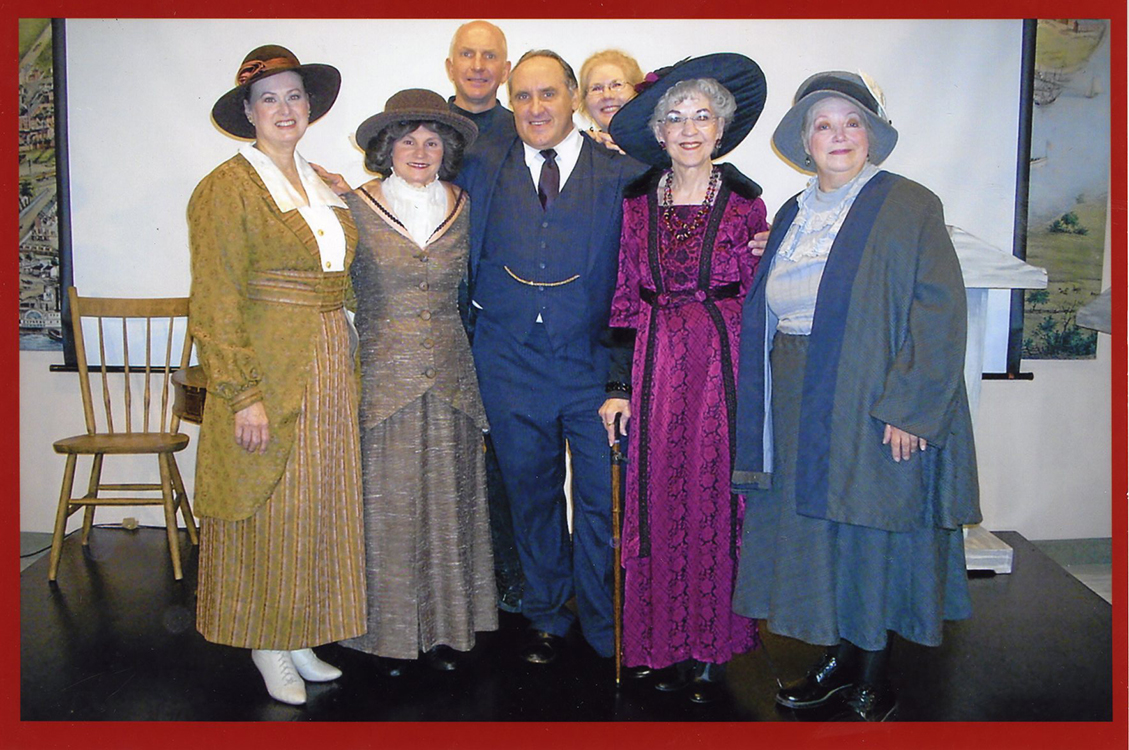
(730, 175)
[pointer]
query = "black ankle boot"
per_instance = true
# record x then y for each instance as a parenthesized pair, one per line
(871, 698)
(829, 676)
(869, 702)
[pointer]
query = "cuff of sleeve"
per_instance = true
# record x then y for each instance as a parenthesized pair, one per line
(749, 481)
(245, 398)
(617, 389)
(930, 433)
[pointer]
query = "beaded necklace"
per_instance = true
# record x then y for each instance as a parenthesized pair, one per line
(681, 230)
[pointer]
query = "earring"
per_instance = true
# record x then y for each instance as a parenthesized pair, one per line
(662, 143)
(807, 161)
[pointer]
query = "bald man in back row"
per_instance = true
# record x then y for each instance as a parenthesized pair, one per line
(478, 64)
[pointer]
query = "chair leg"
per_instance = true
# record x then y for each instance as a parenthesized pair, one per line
(91, 493)
(61, 517)
(163, 460)
(182, 502)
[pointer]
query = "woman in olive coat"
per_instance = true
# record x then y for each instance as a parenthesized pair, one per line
(277, 478)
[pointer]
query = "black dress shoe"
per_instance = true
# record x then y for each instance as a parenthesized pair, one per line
(637, 673)
(542, 647)
(821, 684)
(673, 678)
(442, 658)
(386, 666)
(865, 702)
(509, 600)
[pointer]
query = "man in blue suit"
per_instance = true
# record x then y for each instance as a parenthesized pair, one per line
(545, 219)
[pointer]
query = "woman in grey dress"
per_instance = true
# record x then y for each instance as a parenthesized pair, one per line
(427, 539)
(854, 440)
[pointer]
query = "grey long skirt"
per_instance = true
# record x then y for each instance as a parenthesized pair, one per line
(428, 561)
(818, 580)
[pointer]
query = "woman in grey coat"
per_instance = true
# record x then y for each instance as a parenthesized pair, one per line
(854, 442)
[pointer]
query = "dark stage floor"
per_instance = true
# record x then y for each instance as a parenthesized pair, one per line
(115, 640)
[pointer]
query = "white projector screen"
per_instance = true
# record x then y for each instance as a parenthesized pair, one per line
(140, 93)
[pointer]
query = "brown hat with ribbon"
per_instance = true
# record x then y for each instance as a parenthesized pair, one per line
(415, 105)
(322, 83)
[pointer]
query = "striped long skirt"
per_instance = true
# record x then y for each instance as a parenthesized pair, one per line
(292, 575)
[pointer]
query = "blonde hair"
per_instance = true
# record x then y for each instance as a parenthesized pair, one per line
(621, 60)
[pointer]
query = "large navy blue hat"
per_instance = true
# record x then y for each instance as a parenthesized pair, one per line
(788, 138)
(631, 126)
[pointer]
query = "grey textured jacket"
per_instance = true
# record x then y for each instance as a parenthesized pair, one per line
(412, 340)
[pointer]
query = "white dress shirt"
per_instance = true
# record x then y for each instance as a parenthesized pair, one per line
(568, 153)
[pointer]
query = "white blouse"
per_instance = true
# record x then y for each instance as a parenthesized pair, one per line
(797, 268)
(316, 209)
(420, 209)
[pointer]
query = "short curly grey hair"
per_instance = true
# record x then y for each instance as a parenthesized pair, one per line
(721, 101)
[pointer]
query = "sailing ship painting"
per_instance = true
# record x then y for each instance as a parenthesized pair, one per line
(1069, 184)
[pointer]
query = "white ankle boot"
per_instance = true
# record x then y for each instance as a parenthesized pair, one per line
(312, 668)
(283, 682)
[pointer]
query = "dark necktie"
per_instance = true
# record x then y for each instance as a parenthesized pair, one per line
(550, 183)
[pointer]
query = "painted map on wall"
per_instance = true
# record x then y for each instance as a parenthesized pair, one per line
(1069, 185)
(40, 300)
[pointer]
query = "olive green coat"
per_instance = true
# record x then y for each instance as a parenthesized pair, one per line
(251, 350)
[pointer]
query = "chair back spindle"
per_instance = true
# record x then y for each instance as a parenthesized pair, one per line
(136, 316)
(107, 402)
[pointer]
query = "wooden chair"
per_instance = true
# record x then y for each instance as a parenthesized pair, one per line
(144, 424)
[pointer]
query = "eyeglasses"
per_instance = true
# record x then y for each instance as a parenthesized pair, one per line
(613, 87)
(673, 119)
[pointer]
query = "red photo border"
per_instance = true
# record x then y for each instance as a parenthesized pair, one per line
(168, 736)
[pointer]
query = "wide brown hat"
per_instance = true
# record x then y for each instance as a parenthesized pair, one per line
(415, 105)
(322, 83)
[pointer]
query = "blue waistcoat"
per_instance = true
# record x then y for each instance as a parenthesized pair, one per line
(559, 264)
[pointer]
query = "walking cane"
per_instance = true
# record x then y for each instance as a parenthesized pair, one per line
(617, 569)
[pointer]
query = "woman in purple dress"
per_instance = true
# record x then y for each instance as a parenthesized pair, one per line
(684, 268)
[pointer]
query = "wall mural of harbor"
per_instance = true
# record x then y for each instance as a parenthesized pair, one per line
(40, 298)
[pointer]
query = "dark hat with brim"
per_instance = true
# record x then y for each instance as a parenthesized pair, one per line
(415, 105)
(631, 126)
(322, 82)
(788, 138)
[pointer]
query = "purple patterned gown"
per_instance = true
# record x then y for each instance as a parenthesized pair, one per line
(682, 526)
